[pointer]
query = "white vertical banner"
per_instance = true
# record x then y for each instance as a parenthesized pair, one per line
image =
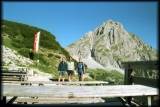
(36, 42)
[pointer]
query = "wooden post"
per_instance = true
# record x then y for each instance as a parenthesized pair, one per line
(128, 78)
(4, 100)
(149, 101)
(21, 77)
(12, 100)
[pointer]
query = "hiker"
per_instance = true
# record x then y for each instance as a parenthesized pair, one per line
(80, 69)
(62, 68)
(70, 69)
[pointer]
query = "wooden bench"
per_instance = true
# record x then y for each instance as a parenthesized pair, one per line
(63, 91)
(14, 76)
(17, 74)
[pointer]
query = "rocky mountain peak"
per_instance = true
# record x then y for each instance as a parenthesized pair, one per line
(110, 44)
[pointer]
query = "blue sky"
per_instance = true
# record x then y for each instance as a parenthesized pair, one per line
(69, 21)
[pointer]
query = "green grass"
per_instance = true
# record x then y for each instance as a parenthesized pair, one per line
(113, 77)
(8, 42)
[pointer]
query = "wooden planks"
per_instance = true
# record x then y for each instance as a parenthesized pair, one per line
(45, 100)
(14, 76)
(56, 82)
(62, 91)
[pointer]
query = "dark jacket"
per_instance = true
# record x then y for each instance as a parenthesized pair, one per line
(80, 67)
(62, 66)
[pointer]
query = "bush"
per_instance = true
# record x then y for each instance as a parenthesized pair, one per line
(50, 55)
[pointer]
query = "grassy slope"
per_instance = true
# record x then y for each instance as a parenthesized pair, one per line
(20, 37)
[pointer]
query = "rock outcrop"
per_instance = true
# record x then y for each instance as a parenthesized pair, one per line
(12, 58)
(13, 61)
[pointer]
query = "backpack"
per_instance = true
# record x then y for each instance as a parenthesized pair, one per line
(80, 65)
